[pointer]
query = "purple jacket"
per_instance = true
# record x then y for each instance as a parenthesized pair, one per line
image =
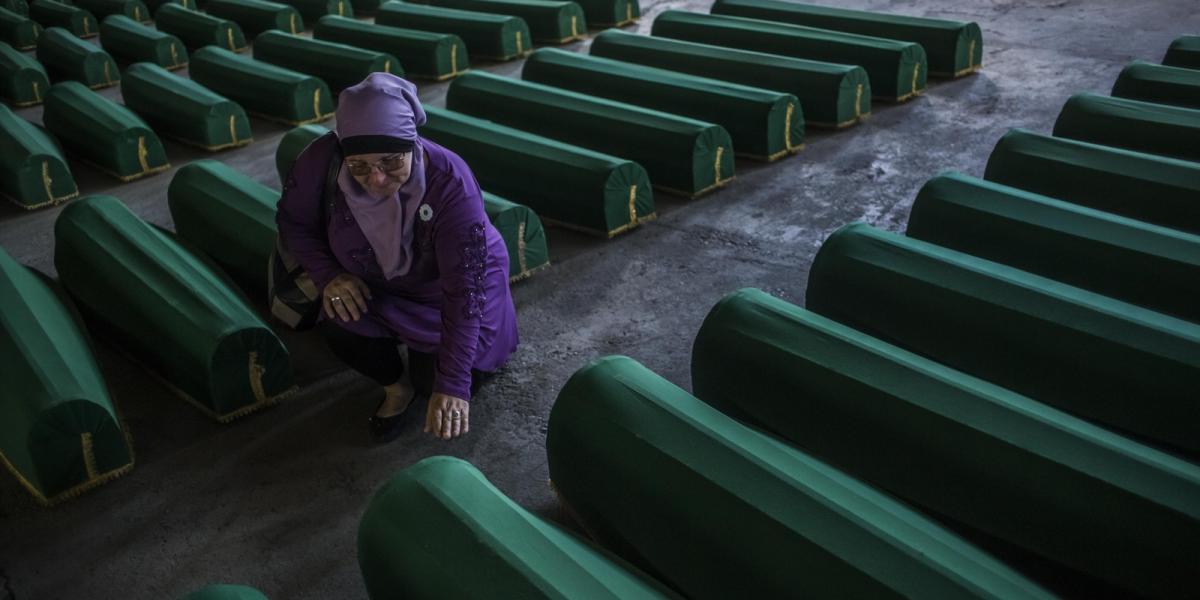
(454, 300)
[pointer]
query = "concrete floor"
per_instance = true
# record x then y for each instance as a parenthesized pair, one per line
(273, 501)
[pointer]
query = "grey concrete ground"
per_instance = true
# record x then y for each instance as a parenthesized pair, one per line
(274, 500)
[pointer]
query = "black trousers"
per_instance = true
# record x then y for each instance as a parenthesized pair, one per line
(379, 359)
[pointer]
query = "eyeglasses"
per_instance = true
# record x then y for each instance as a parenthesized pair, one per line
(385, 165)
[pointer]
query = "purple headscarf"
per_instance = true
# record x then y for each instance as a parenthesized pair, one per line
(381, 114)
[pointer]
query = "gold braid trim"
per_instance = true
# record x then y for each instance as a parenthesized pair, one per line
(94, 479)
(521, 247)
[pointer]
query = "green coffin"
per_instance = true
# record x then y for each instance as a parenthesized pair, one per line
(441, 518)
(227, 216)
(436, 56)
(550, 21)
(763, 124)
(134, 9)
(33, 172)
(198, 30)
(1003, 465)
(831, 95)
(1150, 188)
(60, 435)
(224, 591)
(338, 65)
(185, 110)
(1132, 261)
(953, 48)
(523, 236)
(366, 7)
(169, 310)
(19, 31)
(292, 144)
(576, 187)
(487, 36)
(19, 7)
(130, 42)
(23, 80)
(261, 88)
(312, 10)
(1184, 52)
(1142, 126)
(78, 21)
(897, 70)
(102, 132)
(718, 510)
(682, 156)
(1114, 363)
(1149, 82)
(65, 56)
(257, 16)
(610, 13)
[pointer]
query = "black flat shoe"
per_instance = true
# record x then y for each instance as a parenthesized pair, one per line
(386, 429)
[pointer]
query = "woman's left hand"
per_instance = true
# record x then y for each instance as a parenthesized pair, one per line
(447, 416)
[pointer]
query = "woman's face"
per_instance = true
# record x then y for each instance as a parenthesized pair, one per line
(381, 175)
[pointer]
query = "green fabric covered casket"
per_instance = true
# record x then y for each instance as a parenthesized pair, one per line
(134, 9)
(441, 518)
(436, 56)
(23, 80)
(683, 156)
(1149, 82)
(897, 70)
(831, 95)
(523, 236)
(257, 16)
(19, 7)
(1184, 52)
(33, 171)
(953, 48)
(611, 13)
(1120, 365)
(716, 509)
(224, 591)
(130, 42)
(365, 7)
(19, 31)
(169, 310)
(261, 88)
(312, 10)
(198, 30)
(1132, 261)
(65, 56)
(1001, 464)
(550, 21)
(185, 110)
(338, 65)
(1131, 124)
(292, 144)
(60, 435)
(1163, 191)
(227, 216)
(78, 21)
(103, 132)
(576, 187)
(763, 124)
(487, 36)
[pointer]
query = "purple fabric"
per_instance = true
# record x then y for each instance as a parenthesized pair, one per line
(381, 104)
(454, 301)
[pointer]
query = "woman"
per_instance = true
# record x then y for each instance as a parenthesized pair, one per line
(402, 252)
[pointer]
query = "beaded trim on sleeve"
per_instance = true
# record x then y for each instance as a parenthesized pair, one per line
(474, 262)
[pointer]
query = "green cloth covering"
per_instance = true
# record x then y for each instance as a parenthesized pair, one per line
(953, 48)
(19, 31)
(78, 21)
(1004, 465)
(1163, 191)
(523, 236)
(1146, 81)
(716, 509)
(185, 110)
(487, 36)
(1184, 52)
(576, 187)
(227, 216)
(550, 21)
(681, 155)
(19, 7)
(102, 132)
(134, 9)
(224, 591)
(257, 16)
(154, 5)
(610, 13)
(439, 520)
(436, 56)
(169, 310)
(312, 10)
(272, 92)
(292, 144)
(1132, 261)
(33, 171)
(128, 41)
(198, 30)
(60, 434)
(1142, 126)
(1118, 364)
(338, 65)
(764, 124)
(65, 56)
(23, 81)
(831, 95)
(897, 70)
(366, 7)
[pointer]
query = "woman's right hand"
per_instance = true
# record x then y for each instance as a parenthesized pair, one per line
(346, 297)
